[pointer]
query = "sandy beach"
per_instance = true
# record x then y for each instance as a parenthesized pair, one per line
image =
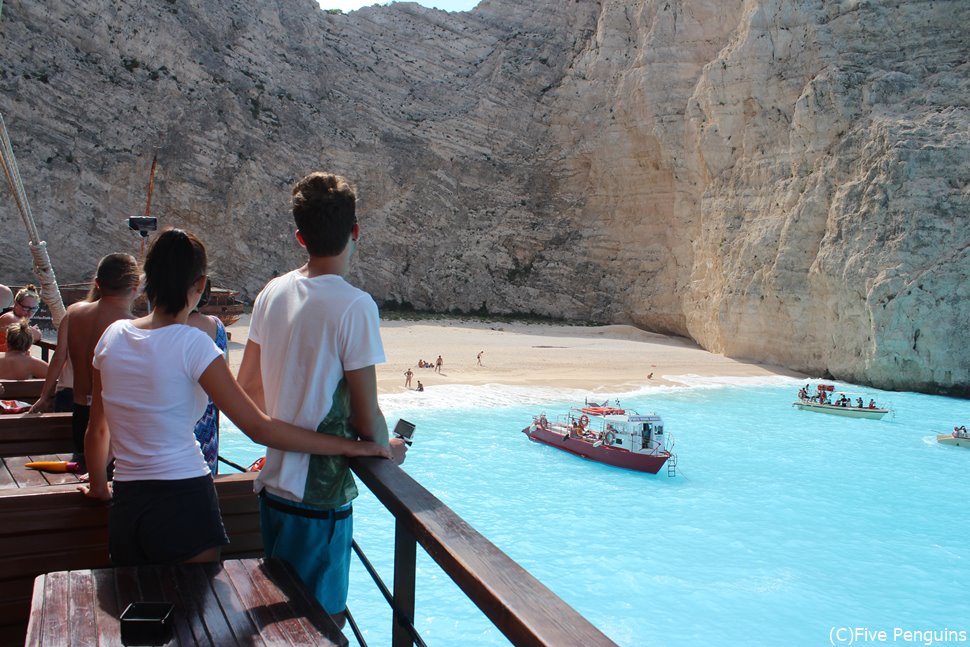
(594, 358)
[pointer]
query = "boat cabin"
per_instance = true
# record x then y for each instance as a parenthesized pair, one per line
(636, 433)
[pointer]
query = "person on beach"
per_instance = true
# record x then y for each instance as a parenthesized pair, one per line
(480, 353)
(314, 342)
(420, 387)
(408, 374)
(438, 364)
(16, 362)
(115, 289)
(26, 303)
(207, 427)
(150, 380)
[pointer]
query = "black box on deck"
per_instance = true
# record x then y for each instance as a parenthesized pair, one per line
(147, 623)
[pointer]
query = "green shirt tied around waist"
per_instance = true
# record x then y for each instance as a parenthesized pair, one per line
(329, 482)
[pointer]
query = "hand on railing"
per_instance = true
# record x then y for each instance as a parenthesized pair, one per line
(103, 493)
(366, 448)
(398, 449)
(44, 404)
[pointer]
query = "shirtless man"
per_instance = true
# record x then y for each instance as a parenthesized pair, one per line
(117, 281)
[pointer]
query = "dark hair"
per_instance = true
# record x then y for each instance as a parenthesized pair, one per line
(325, 211)
(19, 336)
(175, 260)
(117, 273)
(206, 294)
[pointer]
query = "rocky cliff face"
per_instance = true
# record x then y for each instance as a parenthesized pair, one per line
(783, 180)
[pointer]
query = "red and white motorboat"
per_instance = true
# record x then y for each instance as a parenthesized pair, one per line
(611, 435)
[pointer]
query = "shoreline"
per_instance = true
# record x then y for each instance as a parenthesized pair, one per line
(605, 358)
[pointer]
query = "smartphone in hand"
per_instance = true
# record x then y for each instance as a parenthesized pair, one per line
(404, 430)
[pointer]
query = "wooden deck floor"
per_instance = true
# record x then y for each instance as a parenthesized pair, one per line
(14, 475)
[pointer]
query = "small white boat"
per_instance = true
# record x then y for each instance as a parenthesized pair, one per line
(823, 402)
(834, 409)
(959, 438)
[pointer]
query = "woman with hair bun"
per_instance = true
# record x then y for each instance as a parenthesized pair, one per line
(150, 383)
(16, 363)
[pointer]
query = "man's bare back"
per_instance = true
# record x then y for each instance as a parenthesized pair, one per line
(88, 321)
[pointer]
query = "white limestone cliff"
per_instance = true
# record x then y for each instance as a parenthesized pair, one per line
(780, 180)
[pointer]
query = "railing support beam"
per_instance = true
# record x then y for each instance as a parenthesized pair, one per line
(405, 556)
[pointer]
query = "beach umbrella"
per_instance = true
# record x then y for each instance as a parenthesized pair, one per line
(38, 248)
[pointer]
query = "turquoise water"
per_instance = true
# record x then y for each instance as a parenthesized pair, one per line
(781, 527)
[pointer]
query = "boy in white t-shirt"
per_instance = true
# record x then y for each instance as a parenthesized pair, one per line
(314, 341)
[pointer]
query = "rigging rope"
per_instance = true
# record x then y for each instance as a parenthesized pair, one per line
(38, 248)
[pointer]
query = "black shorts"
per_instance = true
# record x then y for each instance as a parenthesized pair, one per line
(64, 399)
(163, 522)
(79, 425)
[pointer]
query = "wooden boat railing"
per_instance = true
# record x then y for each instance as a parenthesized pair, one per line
(23, 434)
(25, 390)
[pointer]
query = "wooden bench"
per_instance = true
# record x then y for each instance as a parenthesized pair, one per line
(24, 390)
(23, 434)
(55, 528)
(238, 602)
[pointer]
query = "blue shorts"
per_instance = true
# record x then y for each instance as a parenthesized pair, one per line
(315, 541)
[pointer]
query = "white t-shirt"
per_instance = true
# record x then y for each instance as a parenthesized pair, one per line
(309, 330)
(152, 398)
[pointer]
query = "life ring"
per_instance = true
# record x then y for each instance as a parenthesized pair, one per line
(583, 421)
(609, 437)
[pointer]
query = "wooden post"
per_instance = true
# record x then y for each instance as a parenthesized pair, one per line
(405, 553)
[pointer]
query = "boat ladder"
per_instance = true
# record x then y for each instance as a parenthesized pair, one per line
(672, 465)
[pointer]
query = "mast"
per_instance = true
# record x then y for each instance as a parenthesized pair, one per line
(148, 221)
(49, 291)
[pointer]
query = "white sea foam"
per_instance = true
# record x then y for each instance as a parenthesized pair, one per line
(721, 381)
(465, 396)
